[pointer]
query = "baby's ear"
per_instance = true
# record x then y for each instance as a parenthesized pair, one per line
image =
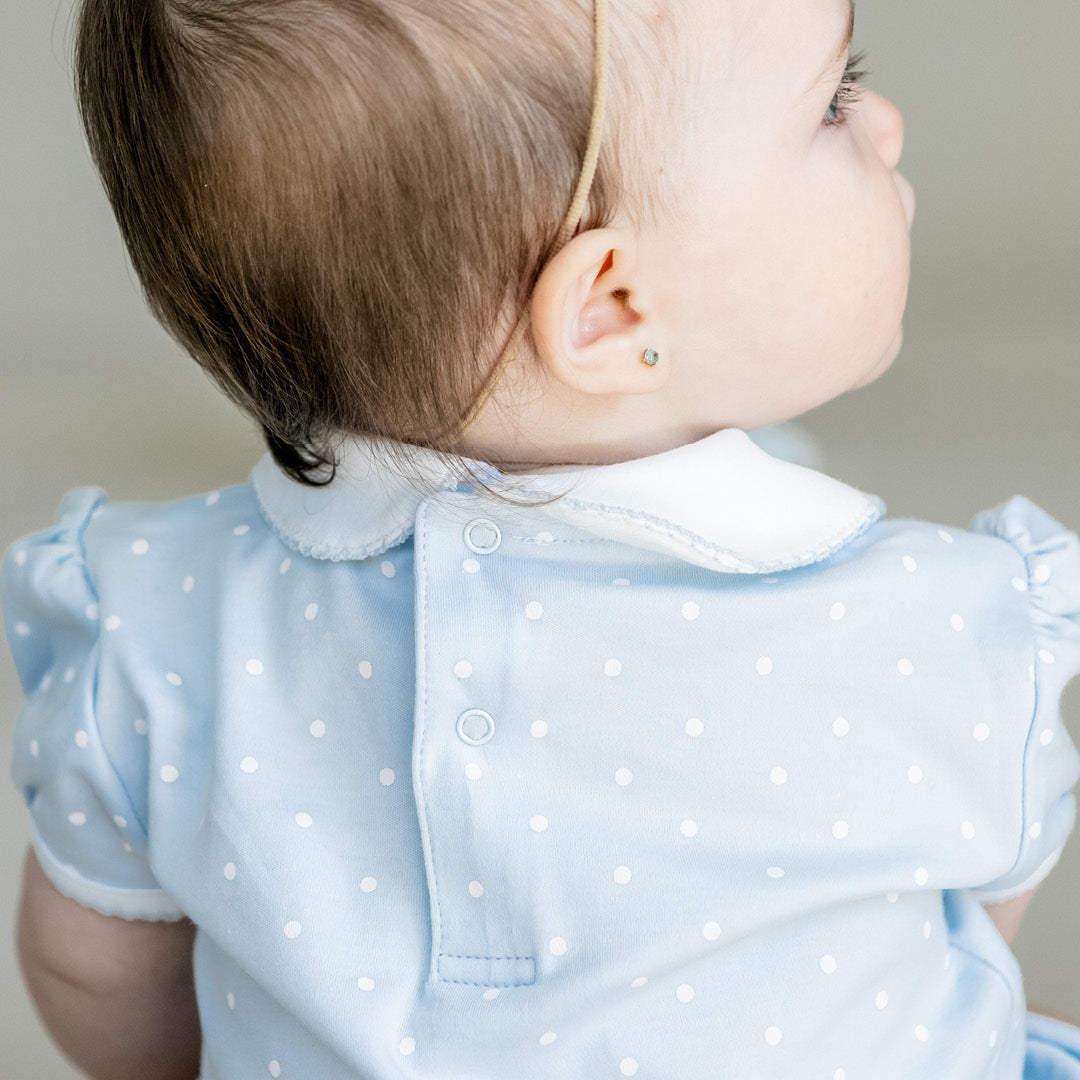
(591, 319)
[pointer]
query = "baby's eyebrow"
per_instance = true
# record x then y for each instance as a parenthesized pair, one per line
(842, 49)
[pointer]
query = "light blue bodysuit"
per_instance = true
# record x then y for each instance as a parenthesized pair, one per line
(687, 768)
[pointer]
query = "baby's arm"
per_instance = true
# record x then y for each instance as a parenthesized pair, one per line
(1008, 915)
(117, 995)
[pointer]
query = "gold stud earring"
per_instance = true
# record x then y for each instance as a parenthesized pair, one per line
(650, 357)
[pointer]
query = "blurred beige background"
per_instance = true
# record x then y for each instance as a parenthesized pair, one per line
(981, 404)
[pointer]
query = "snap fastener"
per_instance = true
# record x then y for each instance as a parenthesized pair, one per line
(475, 727)
(482, 536)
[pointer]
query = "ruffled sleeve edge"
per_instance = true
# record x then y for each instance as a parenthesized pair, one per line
(1042, 871)
(152, 905)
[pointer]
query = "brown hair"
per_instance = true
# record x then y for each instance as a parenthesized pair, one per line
(337, 206)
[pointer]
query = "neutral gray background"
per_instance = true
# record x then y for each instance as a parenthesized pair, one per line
(981, 404)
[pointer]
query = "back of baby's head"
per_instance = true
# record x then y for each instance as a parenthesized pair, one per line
(337, 205)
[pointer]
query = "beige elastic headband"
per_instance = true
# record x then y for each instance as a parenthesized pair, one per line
(577, 205)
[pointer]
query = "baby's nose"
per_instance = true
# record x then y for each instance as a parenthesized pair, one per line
(886, 126)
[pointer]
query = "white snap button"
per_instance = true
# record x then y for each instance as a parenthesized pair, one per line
(475, 727)
(482, 536)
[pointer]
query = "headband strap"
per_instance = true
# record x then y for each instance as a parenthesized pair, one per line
(577, 204)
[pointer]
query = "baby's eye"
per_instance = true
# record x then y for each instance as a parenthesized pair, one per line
(847, 93)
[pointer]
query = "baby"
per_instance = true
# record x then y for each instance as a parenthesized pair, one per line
(522, 718)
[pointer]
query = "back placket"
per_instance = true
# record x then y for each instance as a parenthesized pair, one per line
(463, 761)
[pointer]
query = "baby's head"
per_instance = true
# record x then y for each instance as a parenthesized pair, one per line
(341, 207)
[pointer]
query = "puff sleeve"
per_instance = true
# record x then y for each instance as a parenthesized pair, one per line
(1048, 576)
(88, 833)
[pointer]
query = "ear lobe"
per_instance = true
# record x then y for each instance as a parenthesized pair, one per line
(587, 318)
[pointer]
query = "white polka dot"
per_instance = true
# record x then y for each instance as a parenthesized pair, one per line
(910, 565)
(254, 667)
(388, 569)
(891, 898)
(69, 675)
(957, 622)
(922, 876)
(212, 498)
(638, 983)
(463, 669)
(189, 583)
(773, 1036)
(1046, 656)
(840, 830)
(828, 964)
(557, 946)
(77, 817)
(1046, 737)
(689, 828)
(623, 777)
(128, 848)
(905, 667)
(112, 623)
(548, 1038)
(1035, 831)
(538, 729)
(292, 929)
(368, 884)
(612, 668)
(92, 612)
(365, 983)
(476, 890)
(170, 677)
(764, 666)
(407, 1046)
(230, 1000)
(82, 740)
(311, 611)
(230, 871)
(120, 821)
(778, 775)
(318, 728)
(992, 1041)
(1042, 573)
(274, 1068)
(620, 581)
(364, 667)
(628, 1067)
(491, 993)
(837, 612)
(286, 564)
(538, 823)
(304, 820)
(840, 1074)
(20, 557)
(622, 875)
(946, 536)
(921, 1033)
(141, 726)
(915, 774)
(22, 629)
(769, 580)
(840, 727)
(545, 538)
(169, 774)
(882, 999)
(471, 566)
(711, 931)
(690, 611)
(473, 771)
(775, 872)
(140, 547)
(386, 777)
(685, 993)
(248, 765)
(967, 830)
(980, 732)
(1019, 584)
(694, 727)
(534, 610)
(241, 530)
(35, 748)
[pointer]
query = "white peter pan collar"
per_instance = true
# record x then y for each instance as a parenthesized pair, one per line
(721, 503)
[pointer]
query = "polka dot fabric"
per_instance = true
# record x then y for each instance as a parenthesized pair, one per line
(443, 779)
